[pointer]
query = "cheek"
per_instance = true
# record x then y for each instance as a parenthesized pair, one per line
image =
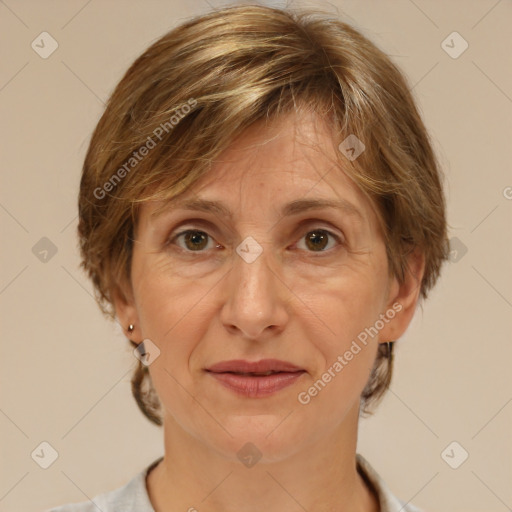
(347, 352)
(173, 313)
(342, 305)
(167, 310)
(348, 308)
(164, 298)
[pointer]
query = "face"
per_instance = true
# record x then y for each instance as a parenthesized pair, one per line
(267, 281)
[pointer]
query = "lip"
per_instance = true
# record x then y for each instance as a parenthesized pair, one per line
(257, 387)
(262, 366)
(238, 376)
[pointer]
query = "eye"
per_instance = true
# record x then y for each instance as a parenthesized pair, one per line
(318, 239)
(194, 240)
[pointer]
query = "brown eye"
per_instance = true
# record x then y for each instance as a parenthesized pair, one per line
(318, 239)
(194, 240)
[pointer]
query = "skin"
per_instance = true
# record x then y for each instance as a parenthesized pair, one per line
(298, 301)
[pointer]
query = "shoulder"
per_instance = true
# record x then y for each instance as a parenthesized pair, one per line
(387, 500)
(131, 497)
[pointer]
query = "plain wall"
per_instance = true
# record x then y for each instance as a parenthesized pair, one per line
(65, 370)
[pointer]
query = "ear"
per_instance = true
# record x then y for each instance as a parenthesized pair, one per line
(126, 311)
(402, 298)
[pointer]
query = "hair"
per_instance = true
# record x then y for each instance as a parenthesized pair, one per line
(183, 101)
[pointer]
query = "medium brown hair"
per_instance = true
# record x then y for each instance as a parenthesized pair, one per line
(197, 87)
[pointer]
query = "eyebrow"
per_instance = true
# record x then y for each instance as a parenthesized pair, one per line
(292, 208)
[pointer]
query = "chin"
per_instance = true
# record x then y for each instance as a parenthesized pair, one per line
(260, 439)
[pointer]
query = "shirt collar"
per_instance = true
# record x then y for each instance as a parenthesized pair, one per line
(388, 502)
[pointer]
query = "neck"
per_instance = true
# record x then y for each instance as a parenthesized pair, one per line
(321, 477)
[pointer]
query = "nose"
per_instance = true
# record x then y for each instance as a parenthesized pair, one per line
(255, 306)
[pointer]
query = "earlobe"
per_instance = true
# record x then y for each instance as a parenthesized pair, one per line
(125, 309)
(403, 298)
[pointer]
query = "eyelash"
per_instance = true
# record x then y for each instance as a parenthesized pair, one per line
(173, 239)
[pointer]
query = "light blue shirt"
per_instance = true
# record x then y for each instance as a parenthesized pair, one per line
(133, 496)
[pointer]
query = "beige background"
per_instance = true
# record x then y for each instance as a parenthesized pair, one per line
(65, 370)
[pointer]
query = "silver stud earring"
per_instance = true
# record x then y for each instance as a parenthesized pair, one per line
(130, 328)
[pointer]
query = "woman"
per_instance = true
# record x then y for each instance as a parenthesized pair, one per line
(261, 210)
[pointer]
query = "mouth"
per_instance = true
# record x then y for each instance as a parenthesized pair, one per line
(254, 374)
(256, 379)
(262, 367)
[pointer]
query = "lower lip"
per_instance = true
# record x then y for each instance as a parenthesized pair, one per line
(257, 386)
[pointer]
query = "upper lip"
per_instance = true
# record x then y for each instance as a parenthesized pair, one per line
(262, 366)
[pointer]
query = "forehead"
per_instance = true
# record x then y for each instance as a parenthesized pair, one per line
(298, 144)
(291, 164)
